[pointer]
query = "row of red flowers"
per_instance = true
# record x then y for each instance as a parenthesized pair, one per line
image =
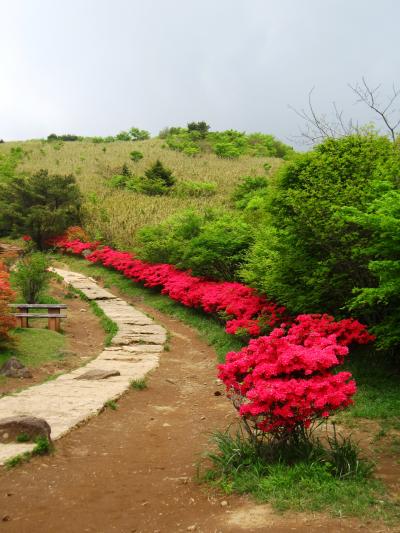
(279, 380)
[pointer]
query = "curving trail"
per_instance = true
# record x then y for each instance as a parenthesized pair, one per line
(133, 470)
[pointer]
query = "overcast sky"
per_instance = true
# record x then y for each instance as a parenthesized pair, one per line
(95, 67)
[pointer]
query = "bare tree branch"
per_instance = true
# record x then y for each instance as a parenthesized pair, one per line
(370, 97)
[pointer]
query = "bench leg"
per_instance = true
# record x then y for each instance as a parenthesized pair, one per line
(22, 321)
(53, 324)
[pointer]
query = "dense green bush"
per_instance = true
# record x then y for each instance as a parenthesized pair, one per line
(31, 277)
(65, 137)
(136, 156)
(42, 206)
(211, 245)
(306, 255)
(381, 303)
(201, 127)
(249, 189)
(228, 144)
(157, 180)
(194, 188)
(135, 134)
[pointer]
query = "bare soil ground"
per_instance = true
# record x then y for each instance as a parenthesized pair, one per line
(133, 470)
(84, 340)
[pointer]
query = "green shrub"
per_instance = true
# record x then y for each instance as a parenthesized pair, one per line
(200, 127)
(157, 180)
(211, 245)
(380, 303)
(195, 188)
(31, 277)
(135, 134)
(305, 254)
(249, 188)
(123, 136)
(136, 156)
(227, 150)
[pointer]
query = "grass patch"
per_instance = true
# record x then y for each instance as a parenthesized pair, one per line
(34, 347)
(42, 447)
(309, 484)
(111, 404)
(138, 384)
(378, 390)
(208, 327)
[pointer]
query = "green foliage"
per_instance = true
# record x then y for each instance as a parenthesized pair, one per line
(111, 404)
(65, 137)
(42, 206)
(157, 180)
(136, 156)
(31, 277)
(305, 254)
(229, 144)
(195, 188)
(200, 127)
(381, 303)
(211, 245)
(9, 162)
(123, 136)
(227, 150)
(136, 134)
(249, 189)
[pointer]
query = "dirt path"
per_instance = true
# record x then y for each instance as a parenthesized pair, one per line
(133, 469)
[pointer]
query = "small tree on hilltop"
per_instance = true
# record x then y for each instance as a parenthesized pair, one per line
(136, 134)
(202, 127)
(42, 206)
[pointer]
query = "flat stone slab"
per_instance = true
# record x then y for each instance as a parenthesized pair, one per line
(71, 399)
(98, 373)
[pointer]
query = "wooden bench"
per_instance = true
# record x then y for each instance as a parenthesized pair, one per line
(53, 314)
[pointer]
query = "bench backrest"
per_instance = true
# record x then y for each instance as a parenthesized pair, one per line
(38, 306)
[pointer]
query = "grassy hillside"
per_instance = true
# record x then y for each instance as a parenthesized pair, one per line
(116, 214)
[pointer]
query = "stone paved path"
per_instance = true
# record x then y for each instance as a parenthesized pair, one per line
(67, 401)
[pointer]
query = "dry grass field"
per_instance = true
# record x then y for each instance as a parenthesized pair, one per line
(115, 214)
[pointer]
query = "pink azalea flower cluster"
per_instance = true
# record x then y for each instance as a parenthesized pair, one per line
(244, 310)
(285, 379)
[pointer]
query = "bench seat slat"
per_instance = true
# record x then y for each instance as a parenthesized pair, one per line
(38, 315)
(39, 306)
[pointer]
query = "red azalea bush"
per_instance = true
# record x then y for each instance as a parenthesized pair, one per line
(285, 380)
(244, 310)
(7, 321)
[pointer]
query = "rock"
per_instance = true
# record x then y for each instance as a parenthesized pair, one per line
(14, 369)
(98, 373)
(85, 253)
(30, 426)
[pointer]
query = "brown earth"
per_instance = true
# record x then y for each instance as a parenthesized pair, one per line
(134, 469)
(84, 340)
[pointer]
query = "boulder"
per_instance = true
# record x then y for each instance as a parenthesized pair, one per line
(98, 373)
(14, 369)
(29, 426)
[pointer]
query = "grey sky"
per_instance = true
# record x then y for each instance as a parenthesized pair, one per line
(99, 66)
